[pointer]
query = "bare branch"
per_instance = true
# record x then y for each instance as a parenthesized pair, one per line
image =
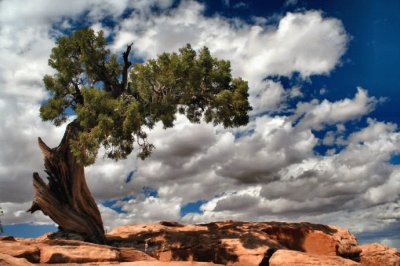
(127, 64)
(77, 95)
(44, 148)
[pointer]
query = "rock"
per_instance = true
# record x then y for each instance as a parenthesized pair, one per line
(65, 235)
(289, 257)
(234, 243)
(347, 245)
(79, 254)
(314, 239)
(378, 254)
(20, 250)
(171, 224)
(131, 254)
(71, 251)
(172, 263)
(218, 243)
(139, 263)
(8, 260)
(7, 238)
(208, 243)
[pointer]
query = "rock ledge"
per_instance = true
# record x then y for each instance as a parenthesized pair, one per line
(218, 243)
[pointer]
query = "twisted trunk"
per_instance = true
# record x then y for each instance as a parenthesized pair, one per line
(66, 198)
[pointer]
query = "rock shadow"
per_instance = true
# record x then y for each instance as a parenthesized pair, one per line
(210, 243)
(293, 235)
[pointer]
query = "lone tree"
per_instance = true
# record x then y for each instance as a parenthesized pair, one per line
(115, 103)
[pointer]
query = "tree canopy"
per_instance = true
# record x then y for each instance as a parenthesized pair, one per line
(115, 101)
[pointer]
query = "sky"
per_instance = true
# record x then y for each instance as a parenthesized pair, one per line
(322, 144)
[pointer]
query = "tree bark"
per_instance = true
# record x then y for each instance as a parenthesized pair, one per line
(66, 198)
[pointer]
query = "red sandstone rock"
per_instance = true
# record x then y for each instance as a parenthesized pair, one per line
(137, 263)
(221, 243)
(171, 263)
(20, 250)
(7, 238)
(289, 258)
(314, 238)
(235, 243)
(69, 251)
(8, 260)
(347, 246)
(378, 254)
(216, 242)
(130, 254)
(79, 254)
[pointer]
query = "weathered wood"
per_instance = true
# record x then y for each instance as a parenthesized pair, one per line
(66, 198)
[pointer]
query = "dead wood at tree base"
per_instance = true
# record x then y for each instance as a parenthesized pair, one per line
(66, 198)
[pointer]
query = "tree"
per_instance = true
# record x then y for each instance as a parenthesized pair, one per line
(115, 103)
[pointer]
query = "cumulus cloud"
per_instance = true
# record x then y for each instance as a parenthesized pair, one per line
(47, 11)
(317, 114)
(306, 42)
(312, 188)
(269, 97)
(142, 210)
(319, 188)
(16, 213)
(27, 38)
(20, 126)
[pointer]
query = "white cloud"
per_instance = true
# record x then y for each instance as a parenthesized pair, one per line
(305, 42)
(15, 213)
(268, 98)
(45, 12)
(26, 35)
(20, 126)
(274, 145)
(142, 210)
(387, 192)
(321, 189)
(316, 115)
(291, 2)
(107, 179)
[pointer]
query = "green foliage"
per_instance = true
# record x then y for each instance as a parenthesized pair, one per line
(196, 83)
(113, 115)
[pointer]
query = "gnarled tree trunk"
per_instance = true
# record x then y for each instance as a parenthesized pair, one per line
(66, 198)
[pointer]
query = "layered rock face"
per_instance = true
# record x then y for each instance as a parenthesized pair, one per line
(219, 243)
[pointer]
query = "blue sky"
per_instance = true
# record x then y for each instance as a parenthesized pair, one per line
(322, 145)
(373, 52)
(371, 60)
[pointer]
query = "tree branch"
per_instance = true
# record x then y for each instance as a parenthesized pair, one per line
(127, 64)
(77, 95)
